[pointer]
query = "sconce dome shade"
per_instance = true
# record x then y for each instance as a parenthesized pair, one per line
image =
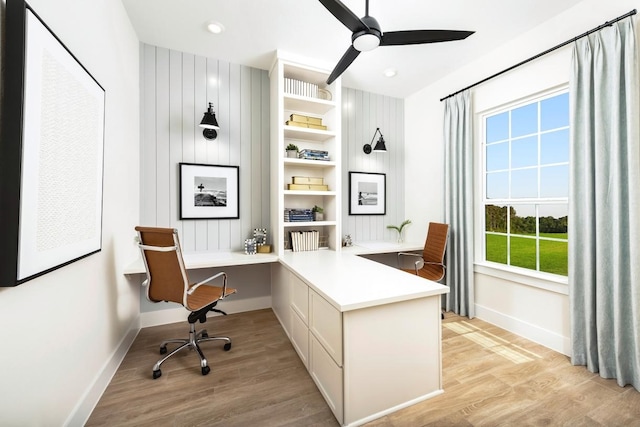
(380, 146)
(209, 119)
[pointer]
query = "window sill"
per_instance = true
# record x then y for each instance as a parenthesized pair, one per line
(549, 282)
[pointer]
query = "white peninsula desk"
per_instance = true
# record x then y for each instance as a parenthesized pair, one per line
(369, 334)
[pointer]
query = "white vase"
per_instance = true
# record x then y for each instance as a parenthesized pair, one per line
(292, 154)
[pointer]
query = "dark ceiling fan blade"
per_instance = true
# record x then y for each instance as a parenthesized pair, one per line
(344, 15)
(395, 38)
(349, 56)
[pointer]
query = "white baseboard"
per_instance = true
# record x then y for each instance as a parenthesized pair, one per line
(547, 338)
(230, 306)
(83, 409)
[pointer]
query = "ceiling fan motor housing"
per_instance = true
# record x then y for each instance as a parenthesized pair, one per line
(367, 38)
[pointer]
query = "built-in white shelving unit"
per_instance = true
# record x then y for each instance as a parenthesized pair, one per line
(283, 168)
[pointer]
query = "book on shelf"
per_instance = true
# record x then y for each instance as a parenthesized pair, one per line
(307, 180)
(299, 118)
(301, 88)
(304, 240)
(298, 215)
(308, 187)
(305, 125)
(313, 154)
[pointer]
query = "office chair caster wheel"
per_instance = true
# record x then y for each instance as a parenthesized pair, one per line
(227, 346)
(157, 374)
(205, 370)
(205, 334)
(163, 350)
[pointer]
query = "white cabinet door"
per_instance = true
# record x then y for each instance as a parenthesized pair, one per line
(300, 298)
(300, 337)
(281, 295)
(327, 376)
(325, 322)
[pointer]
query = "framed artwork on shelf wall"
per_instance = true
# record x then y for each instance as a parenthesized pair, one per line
(51, 160)
(367, 193)
(209, 191)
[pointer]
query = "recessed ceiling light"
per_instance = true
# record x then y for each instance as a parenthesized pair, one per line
(215, 27)
(390, 72)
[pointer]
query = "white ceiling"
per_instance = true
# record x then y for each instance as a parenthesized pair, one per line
(256, 28)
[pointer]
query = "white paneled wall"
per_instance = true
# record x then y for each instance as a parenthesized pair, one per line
(176, 90)
(362, 113)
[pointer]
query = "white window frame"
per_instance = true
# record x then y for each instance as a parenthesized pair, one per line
(525, 276)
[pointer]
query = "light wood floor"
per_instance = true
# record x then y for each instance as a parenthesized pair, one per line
(491, 378)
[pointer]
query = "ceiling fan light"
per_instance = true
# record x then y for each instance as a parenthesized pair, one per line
(366, 42)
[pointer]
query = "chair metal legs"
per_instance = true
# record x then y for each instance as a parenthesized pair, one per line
(195, 338)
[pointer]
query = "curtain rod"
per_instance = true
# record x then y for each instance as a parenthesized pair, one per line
(598, 28)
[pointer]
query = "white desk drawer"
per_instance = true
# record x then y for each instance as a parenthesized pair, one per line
(327, 376)
(325, 322)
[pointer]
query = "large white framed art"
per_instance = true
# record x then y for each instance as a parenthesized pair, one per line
(56, 137)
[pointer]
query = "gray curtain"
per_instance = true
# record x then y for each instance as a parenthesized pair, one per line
(458, 140)
(604, 207)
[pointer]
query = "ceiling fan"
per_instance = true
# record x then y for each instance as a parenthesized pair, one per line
(367, 35)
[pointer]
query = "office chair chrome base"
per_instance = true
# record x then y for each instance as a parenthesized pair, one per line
(195, 338)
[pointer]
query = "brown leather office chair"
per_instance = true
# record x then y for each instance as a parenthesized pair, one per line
(429, 264)
(167, 280)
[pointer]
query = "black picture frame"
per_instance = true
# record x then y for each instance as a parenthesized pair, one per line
(209, 191)
(51, 152)
(367, 193)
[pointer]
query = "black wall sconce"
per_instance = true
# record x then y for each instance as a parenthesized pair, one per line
(210, 124)
(379, 147)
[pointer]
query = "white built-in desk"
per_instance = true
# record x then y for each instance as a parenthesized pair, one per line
(195, 260)
(369, 334)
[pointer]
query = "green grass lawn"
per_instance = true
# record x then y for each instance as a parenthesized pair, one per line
(553, 255)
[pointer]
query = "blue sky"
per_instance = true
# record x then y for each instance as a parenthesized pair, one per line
(515, 142)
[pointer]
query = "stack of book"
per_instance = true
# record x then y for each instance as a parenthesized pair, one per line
(298, 87)
(298, 215)
(313, 154)
(305, 240)
(308, 183)
(298, 120)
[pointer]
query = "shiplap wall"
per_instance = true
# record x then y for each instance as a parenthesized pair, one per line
(176, 90)
(362, 113)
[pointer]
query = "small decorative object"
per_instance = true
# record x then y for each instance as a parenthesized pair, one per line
(264, 249)
(347, 240)
(292, 151)
(318, 213)
(260, 234)
(250, 246)
(399, 228)
(324, 94)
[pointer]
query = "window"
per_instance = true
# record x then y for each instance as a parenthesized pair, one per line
(526, 184)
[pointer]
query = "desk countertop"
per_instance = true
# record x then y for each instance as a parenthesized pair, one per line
(351, 282)
(195, 260)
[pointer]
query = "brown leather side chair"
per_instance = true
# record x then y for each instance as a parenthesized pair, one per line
(429, 264)
(167, 280)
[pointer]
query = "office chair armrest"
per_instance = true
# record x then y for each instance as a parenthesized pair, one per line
(207, 280)
(410, 254)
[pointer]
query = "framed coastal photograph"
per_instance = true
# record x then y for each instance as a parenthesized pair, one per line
(367, 193)
(209, 191)
(51, 170)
